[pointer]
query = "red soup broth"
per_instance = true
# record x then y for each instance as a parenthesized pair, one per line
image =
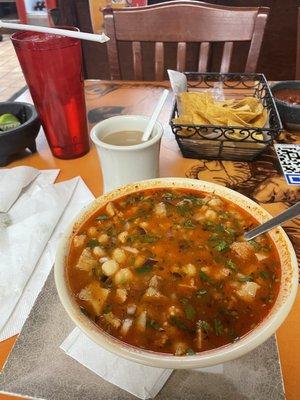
(168, 270)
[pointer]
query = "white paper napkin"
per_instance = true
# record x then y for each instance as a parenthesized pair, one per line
(33, 218)
(12, 181)
(80, 198)
(141, 381)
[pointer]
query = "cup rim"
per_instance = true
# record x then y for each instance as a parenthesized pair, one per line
(57, 42)
(140, 146)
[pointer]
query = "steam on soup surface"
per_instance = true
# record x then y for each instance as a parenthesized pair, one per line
(167, 270)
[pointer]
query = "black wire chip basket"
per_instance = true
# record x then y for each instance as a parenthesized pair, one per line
(228, 142)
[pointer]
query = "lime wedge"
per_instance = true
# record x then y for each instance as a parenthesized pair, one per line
(8, 121)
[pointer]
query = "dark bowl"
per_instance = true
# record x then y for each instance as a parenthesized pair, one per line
(289, 113)
(15, 141)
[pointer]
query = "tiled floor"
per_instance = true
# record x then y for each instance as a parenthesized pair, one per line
(11, 77)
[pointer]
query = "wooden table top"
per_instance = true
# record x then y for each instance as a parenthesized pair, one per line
(261, 180)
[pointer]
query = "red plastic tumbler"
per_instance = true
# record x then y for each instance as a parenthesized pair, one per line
(52, 66)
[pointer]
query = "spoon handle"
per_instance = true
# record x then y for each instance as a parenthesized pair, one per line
(290, 213)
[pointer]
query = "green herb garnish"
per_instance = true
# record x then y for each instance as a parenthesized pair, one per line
(93, 243)
(144, 269)
(231, 265)
(184, 300)
(218, 327)
(111, 231)
(221, 246)
(246, 278)
(107, 309)
(265, 275)
(189, 224)
(102, 217)
(169, 196)
(190, 312)
(148, 238)
(204, 276)
(204, 325)
(151, 323)
(190, 352)
(175, 321)
(255, 245)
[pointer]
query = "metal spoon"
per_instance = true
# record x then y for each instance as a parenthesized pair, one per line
(290, 213)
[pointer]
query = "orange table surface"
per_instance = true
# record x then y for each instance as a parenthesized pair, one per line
(105, 98)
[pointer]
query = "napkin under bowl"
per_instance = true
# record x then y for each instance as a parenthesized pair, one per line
(16, 140)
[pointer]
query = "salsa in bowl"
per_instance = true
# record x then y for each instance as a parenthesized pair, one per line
(158, 272)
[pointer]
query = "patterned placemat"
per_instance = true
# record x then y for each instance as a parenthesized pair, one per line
(37, 368)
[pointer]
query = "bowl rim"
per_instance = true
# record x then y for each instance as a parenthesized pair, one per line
(248, 342)
(34, 118)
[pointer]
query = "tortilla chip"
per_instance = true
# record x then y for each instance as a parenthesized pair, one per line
(202, 109)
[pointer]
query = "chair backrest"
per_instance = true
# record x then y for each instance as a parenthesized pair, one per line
(297, 75)
(184, 22)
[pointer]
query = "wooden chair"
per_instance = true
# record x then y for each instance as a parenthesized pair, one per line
(183, 22)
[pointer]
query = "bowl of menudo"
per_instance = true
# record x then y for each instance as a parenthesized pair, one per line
(158, 272)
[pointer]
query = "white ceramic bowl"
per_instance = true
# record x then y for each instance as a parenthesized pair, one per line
(281, 308)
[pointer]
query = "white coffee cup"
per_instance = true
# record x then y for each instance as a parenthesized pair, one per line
(127, 164)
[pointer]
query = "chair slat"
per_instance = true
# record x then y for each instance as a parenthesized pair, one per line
(159, 61)
(112, 48)
(226, 57)
(204, 53)
(137, 61)
(181, 56)
(256, 42)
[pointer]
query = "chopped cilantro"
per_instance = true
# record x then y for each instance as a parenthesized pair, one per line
(169, 196)
(189, 224)
(204, 325)
(208, 226)
(231, 265)
(204, 276)
(195, 200)
(151, 323)
(246, 278)
(265, 275)
(230, 231)
(93, 243)
(111, 231)
(221, 246)
(144, 269)
(255, 245)
(102, 217)
(148, 238)
(175, 321)
(218, 327)
(184, 300)
(184, 210)
(190, 312)
(107, 309)
(190, 352)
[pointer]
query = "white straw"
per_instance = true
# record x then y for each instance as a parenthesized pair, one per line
(154, 116)
(62, 32)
